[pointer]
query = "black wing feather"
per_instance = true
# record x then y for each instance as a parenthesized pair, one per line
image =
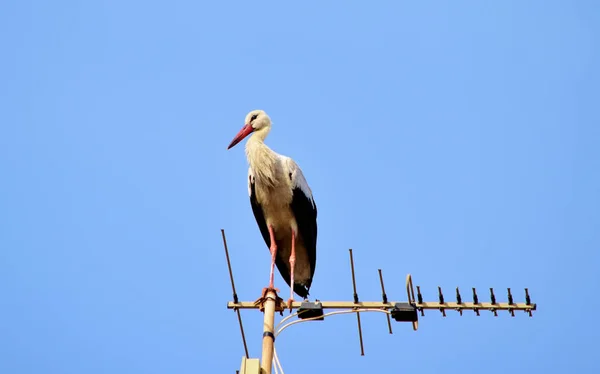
(259, 215)
(306, 218)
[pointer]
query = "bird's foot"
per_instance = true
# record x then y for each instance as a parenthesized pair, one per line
(289, 304)
(265, 290)
(260, 302)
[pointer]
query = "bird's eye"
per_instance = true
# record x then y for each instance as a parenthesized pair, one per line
(253, 117)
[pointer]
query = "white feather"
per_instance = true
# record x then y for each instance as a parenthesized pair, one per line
(297, 179)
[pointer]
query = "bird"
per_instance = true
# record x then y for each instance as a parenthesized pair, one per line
(283, 206)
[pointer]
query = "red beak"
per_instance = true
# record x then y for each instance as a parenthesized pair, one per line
(247, 129)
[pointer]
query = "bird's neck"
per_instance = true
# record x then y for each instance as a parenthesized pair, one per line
(262, 159)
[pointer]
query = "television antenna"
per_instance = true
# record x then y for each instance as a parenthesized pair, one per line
(400, 311)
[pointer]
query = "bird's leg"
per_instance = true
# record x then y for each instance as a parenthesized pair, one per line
(292, 266)
(273, 252)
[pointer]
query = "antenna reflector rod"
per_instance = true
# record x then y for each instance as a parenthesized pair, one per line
(458, 301)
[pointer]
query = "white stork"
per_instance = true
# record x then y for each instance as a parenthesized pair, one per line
(283, 206)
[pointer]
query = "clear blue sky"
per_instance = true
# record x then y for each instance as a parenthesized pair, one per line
(456, 141)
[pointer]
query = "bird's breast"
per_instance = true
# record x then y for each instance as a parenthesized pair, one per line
(275, 202)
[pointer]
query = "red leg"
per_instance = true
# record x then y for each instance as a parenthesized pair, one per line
(273, 253)
(292, 266)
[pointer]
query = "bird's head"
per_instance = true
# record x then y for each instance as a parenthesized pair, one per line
(256, 121)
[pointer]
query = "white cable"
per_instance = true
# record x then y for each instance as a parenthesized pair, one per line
(329, 314)
(286, 318)
(278, 367)
(276, 358)
(277, 362)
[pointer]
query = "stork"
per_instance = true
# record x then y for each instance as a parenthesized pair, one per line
(283, 207)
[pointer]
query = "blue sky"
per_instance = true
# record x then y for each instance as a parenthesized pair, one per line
(456, 141)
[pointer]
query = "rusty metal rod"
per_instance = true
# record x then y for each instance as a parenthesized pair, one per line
(510, 301)
(385, 300)
(458, 300)
(235, 297)
(475, 301)
(242, 331)
(353, 277)
(493, 298)
(441, 298)
(362, 348)
(527, 300)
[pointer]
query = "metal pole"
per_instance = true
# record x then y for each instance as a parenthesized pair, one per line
(268, 332)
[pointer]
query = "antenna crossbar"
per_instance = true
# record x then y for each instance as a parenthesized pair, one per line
(390, 305)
